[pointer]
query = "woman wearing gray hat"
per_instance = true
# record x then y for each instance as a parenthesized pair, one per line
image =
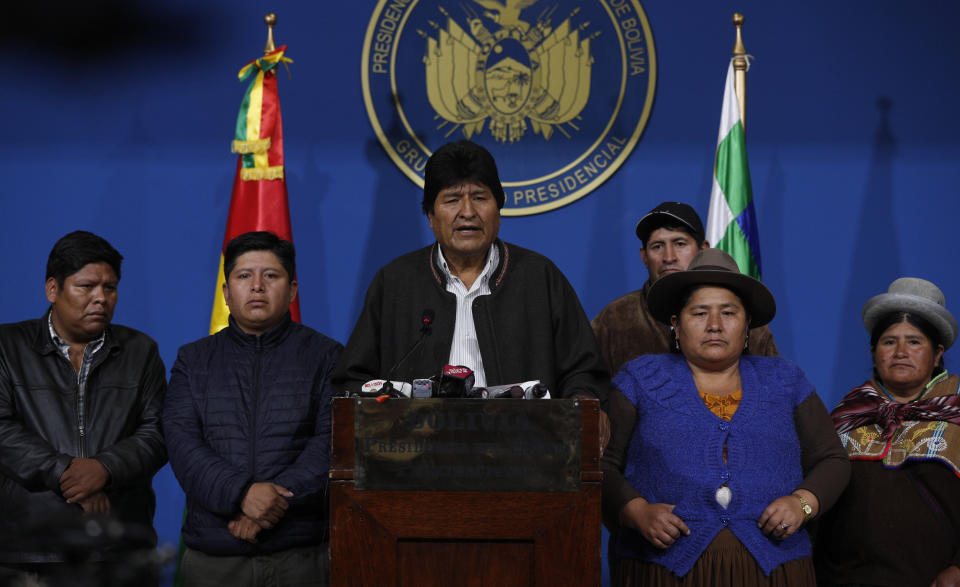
(718, 458)
(898, 522)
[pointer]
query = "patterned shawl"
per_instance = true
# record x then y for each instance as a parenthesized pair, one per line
(872, 426)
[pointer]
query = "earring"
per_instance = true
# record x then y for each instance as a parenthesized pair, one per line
(746, 343)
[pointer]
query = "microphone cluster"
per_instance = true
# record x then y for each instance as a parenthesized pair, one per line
(453, 381)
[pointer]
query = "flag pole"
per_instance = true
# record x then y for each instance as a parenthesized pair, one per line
(732, 221)
(740, 70)
(270, 19)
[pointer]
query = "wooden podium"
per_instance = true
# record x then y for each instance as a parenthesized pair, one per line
(441, 538)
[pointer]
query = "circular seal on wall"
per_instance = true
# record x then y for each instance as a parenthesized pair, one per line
(558, 91)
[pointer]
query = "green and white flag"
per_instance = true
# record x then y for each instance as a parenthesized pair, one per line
(732, 222)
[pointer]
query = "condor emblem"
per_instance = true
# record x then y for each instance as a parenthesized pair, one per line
(558, 91)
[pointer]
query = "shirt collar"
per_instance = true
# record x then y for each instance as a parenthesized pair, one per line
(493, 259)
(62, 344)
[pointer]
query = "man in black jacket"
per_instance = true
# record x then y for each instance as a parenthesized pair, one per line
(247, 421)
(505, 312)
(80, 403)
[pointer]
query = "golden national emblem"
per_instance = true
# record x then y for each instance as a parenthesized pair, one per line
(559, 92)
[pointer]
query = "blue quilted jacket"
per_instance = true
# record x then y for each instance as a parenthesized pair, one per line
(243, 409)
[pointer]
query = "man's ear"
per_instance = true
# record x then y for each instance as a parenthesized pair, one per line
(51, 288)
(704, 245)
(294, 287)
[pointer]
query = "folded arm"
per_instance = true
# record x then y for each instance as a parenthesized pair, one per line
(309, 474)
(25, 456)
(139, 456)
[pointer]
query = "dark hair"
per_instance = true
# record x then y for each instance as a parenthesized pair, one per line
(919, 322)
(677, 227)
(260, 241)
(76, 250)
(457, 162)
(684, 299)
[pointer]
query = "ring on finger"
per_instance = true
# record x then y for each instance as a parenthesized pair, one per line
(784, 526)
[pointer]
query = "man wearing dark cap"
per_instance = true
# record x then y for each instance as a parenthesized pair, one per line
(80, 403)
(503, 311)
(671, 235)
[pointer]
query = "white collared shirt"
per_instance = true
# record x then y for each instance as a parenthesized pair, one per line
(465, 349)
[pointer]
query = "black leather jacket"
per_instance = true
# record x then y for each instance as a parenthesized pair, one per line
(39, 432)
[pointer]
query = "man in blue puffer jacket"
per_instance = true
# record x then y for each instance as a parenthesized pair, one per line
(247, 425)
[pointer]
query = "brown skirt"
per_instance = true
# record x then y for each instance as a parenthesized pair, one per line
(724, 562)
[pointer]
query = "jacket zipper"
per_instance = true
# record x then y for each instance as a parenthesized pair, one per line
(256, 407)
(78, 407)
(80, 427)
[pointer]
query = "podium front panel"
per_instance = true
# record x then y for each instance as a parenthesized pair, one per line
(467, 445)
(432, 537)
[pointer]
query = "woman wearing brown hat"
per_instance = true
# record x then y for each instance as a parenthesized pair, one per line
(718, 459)
(898, 522)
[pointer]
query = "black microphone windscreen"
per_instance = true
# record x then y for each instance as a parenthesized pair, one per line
(426, 320)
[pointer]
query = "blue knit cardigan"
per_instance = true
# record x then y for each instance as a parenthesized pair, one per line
(676, 456)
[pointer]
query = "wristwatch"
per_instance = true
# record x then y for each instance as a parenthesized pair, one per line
(804, 507)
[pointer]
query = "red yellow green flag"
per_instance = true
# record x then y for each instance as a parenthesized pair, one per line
(259, 199)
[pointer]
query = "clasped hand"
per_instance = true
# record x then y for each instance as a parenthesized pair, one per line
(98, 503)
(82, 479)
(244, 528)
(264, 503)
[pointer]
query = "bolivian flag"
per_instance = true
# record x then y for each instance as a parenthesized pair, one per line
(259, 200)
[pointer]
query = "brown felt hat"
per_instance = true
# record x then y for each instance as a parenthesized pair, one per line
(712, 267)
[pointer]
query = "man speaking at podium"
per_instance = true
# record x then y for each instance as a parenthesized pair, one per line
(471, 299)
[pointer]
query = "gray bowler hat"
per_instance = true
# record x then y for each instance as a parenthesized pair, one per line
(918, 297)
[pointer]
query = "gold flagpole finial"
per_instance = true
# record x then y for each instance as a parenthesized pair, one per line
(740, 70)
(270, 20)
(738, 48)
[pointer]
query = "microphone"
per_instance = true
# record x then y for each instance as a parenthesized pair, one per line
(525, 390)
(378, 387)
(426, 327)
(456, 381)
(511, 392)
(536, 391)
(476, 392)
(422, 388)
(426, 321)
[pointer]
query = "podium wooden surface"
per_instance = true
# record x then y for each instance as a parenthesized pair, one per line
(473, 538)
